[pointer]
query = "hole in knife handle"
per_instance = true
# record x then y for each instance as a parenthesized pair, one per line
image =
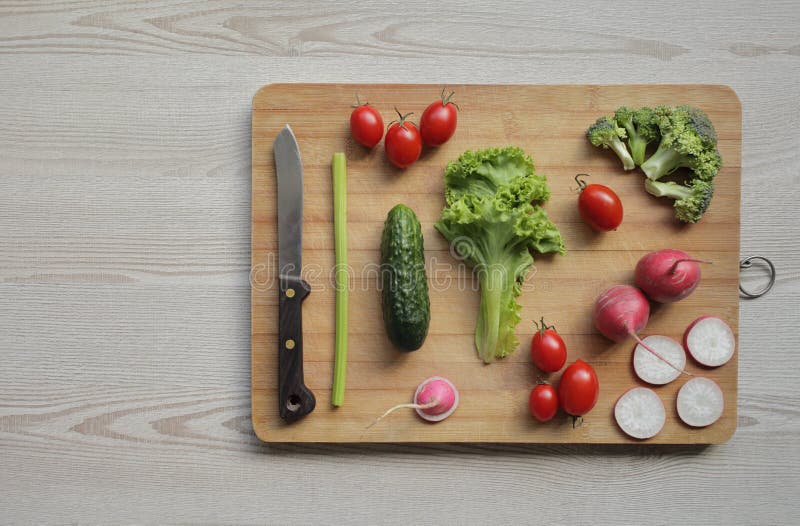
(293, 403)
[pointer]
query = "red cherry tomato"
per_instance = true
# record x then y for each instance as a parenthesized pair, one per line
(599, 205)
(543, 402)
(547, 349)
(438, 122)
(578, 388)
(366, 125)
(403, 142)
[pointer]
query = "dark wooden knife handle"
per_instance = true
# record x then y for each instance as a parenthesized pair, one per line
(294, 398)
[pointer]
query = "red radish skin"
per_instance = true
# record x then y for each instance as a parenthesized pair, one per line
(621, 312)
(434, 400)
(710, 341)
(668, 275)
(640, 413)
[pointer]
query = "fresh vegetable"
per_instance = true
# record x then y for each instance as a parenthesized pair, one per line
(543, 402)
(608, 134)
(691, 200)
(490, 223)
(700, 402)
(578, 388)
(404, 284)
(640, 413)
(548, 351)
(434, 400)
(599, 205)
(366, 124)
(667, 275)
(403, 142)
(641, 128)
(654, 370)
(688, 140)
(710, 341)
(338, 167)
(621, 312)
(438, 122)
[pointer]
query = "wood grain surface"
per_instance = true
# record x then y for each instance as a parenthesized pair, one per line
(125, 165)
(549, 123)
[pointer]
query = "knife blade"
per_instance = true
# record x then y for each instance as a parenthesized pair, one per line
(295, 400)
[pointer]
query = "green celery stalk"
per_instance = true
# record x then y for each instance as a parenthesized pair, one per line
(342, 285)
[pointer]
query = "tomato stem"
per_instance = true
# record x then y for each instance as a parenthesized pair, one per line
(359, 103)
(581, 182)
(446, 99)
(402, 118)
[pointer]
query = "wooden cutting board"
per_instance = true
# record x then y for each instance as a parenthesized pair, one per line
(549, 123)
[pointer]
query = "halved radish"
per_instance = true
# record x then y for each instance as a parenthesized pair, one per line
(662, 368)
(640, 413)
(700, 402)
(710, 341)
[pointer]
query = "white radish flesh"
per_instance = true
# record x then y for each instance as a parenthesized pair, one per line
(710, 341)
(700, 402)
(659, 371)
(640, 413)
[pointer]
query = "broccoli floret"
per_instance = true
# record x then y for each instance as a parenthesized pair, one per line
(691, 201)
(641, 127)
(606, 133)
(688, 140)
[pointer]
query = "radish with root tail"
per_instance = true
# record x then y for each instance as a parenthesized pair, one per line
(700, 402)
(710, 341)
(654, 370)
(668, 275)
(623, 311)
(434, 400)
(640, 413)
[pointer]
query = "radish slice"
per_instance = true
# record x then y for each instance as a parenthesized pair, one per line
(661, 369)
(700, 402)
(640, 413)
(440, 390)
(710, 341)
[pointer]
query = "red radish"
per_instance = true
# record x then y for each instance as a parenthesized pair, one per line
(700, 402)
(668, 275)
(621, 312)
(640, 413)
(654, 370)
(710, 341)
(435, 399)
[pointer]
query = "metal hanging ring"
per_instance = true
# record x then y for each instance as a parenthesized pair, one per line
(747, 263)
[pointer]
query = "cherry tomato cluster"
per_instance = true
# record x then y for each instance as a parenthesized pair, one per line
(403, 139)
(578, 387)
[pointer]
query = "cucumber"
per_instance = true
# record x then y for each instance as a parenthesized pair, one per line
(404, 284)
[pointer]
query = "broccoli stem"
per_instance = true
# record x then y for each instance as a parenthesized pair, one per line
(622, 152)
(673, 190)
(638, 148)
(663, 162)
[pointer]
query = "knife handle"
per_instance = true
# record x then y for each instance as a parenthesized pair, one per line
(294, 398)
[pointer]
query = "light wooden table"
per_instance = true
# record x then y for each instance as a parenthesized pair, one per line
(124, 259)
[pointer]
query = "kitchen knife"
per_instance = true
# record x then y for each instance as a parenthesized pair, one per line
(295, 400)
